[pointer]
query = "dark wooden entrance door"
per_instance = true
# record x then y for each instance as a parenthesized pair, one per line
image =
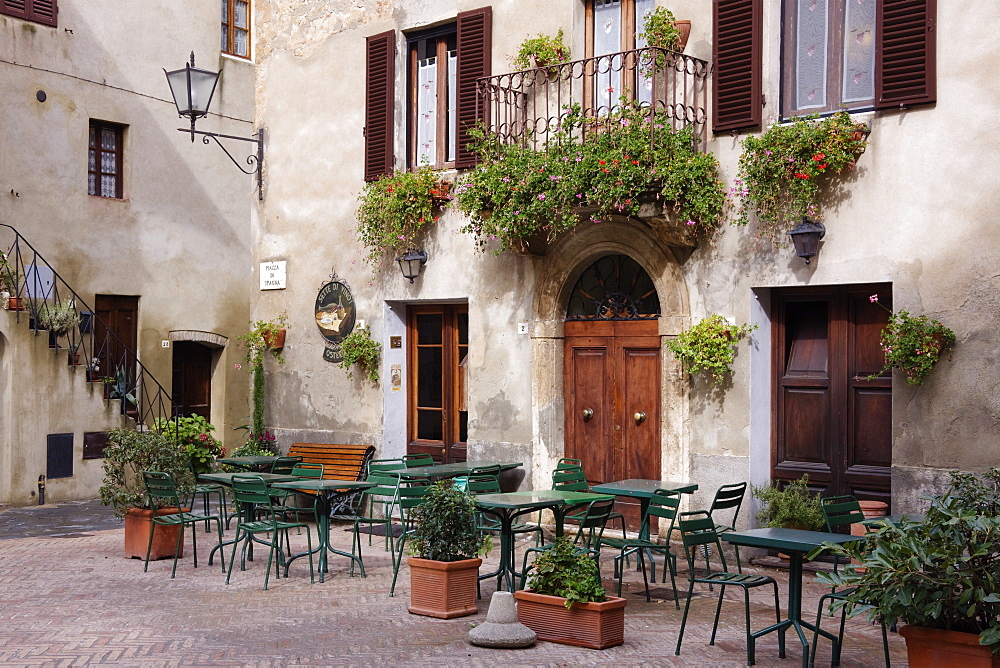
(830, 421)
(192, 379)
(612, 398)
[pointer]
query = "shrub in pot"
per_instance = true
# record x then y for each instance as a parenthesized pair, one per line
(941, 577)
(127, 454)
(566, 603)
(447, 546)
(792, 506)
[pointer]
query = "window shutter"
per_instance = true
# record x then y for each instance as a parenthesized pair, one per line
(905, 54)
(16, 8)
(737, 93)
(474, 60)
(43, 11)
(380, 72)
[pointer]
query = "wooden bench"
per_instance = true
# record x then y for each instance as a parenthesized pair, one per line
(340, 462)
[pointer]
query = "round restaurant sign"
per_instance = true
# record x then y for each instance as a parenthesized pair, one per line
(335, 316)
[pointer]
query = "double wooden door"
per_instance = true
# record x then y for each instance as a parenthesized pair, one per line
(192, 379)
(612, 398)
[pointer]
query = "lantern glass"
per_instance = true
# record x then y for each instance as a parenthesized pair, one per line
(192, 89)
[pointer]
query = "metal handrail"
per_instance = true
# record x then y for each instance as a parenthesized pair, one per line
(24, 272)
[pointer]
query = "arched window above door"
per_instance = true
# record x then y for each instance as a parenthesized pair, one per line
(615, 287)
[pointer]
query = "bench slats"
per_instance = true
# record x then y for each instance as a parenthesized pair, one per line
(340, 461)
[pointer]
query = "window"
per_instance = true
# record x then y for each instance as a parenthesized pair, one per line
(433, 68)
(39, 11)
(104, 164)
(236, 28)
(613, 27)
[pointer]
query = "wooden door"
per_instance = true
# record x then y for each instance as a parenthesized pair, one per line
(612, 399)
(192, 379)
(830, 420)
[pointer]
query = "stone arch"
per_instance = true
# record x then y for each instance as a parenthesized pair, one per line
(208, 339)
(563, 265)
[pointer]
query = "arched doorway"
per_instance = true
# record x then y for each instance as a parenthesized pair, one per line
(612, 371)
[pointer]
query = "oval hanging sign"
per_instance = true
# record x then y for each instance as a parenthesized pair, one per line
(335, 317)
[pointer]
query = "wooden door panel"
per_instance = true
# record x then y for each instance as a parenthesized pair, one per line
(192, 379)
(639, 452)
(872, 431)
(588, 369)
(804, 427)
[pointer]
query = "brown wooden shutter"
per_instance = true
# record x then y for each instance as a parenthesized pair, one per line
(43, 11)
(736, 52)
(905, 54)
(475, 47)
(380, 72)
(16, 8)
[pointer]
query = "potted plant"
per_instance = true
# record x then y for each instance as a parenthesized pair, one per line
(9, 280)
(541, 51)
(74, 355)
(446, 545)
(709, 346)
(194, 435)
(395, 209)
(661, 30)
(792, 506)
(912, 343)
(565, 602)
(94, 370)
(263, 337)
(940, 576)
(359, 348)
(128, 453)
(58, 319)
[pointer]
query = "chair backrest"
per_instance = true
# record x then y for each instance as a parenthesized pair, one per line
(697, 529)
(482, 483)
(284, 465)
(841, 510)
(415, 461)
(592, 523)
(160, 489)
(410, 496)
(570, 480)
(385, 484)
(251, 489)
(306, 470)
(568, 463)
(728, 497)
(664, 503)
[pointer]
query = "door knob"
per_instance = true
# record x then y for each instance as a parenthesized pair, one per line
(639, 417)
(588, 413)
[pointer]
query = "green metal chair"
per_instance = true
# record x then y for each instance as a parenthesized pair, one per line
(408, 497)
(663, 504)
(284, 465)
(251, 489)
(573, 479)
(382, 494)
(728, 498)
(161, 492)
(205, 491)
(588, 537)
(282, 498)
(697, 530)
(417, 460)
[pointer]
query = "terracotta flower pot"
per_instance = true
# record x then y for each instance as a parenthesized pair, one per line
(593, 625)
(684, 27)
(938, 648)
(138, 524)
(276, 341)
(443, 589)
(15, 303)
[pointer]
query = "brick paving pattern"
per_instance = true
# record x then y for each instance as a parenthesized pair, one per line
(69, 598)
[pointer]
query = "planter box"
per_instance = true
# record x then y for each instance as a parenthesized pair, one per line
(138, 524)
(593, 625)
(938, 648)
(443, 589)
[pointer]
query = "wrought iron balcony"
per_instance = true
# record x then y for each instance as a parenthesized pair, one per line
(526, 107)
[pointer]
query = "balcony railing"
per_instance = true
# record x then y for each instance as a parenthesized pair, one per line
(33, 286)
(526, 107)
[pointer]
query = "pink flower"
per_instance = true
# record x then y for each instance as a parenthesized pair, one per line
(237, 366)
(873, 299)
(690, 222)
(541, 196)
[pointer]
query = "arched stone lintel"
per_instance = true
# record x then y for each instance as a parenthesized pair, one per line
(205, 338)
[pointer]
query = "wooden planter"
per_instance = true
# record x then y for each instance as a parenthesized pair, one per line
(138, 524)
(593, 625)
(443, 589)
(938, 648)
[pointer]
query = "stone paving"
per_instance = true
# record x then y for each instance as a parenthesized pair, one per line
(69, 597)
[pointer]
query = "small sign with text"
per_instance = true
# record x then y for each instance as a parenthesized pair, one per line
(272, 275)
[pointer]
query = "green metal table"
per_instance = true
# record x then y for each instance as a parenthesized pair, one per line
(247, 510)
(327, 492)
(250, 463)
(795, 543)
(448, 470)
(643, 490)
(508, 507)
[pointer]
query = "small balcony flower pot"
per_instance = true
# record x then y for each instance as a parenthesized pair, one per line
(443, 589)
(938, 648)
(74, 358)
(15, 303)
(275, 341)
(138, 524)
(593, 625)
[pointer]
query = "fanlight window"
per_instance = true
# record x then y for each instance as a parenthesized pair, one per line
(615, 287)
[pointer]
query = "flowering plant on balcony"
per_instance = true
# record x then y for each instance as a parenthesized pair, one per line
(912, 344)
(516, 192)
(659, 30)
(782, 172)
(540, 51)
(395, 208)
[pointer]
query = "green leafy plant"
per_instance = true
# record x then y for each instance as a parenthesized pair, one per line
(127, 454)
(709, 346)
(791, 506)
(58, 318)
(540, 51)
(659, 30)
(257, 342)
(563, 570)
(446, 526)
(8, 275)
(912, 344)
(395, 209)
(194, 435)
(782, 172)
(941, 573)
(517, 192)
(359, 348)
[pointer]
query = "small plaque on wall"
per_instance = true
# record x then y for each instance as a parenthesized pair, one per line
(273, 275)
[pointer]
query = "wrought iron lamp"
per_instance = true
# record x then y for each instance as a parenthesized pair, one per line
(805, 236)
(410, 263)
(192, 89)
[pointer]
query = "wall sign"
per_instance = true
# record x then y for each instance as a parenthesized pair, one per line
(272, 275)
(335, 317)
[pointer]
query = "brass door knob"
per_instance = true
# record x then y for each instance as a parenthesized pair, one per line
(639, 417)
(588, 413)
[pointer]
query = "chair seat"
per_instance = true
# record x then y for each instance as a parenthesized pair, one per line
(738, 579)
(269, 525)
(181, 518)
(632, 543)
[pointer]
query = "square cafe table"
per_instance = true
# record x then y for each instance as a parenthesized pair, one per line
(643, 490)
(795, 543)
(327, 493)
(448, 470)
(507, 507)
(250, 463)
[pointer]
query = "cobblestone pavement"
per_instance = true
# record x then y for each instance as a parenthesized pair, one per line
(69, 598)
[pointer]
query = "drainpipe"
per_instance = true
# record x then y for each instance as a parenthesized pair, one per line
(41, 490)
